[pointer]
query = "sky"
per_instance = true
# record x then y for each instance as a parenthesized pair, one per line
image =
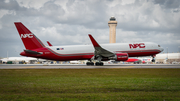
(68, 22)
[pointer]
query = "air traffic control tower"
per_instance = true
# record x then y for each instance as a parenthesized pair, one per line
(112, 29)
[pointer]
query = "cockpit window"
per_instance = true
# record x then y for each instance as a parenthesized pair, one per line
(159, 46)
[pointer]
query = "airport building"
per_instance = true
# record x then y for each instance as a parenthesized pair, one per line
(168, 58)
(112, 30)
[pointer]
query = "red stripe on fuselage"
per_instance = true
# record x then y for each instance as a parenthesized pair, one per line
(52, 55)
(138, 53)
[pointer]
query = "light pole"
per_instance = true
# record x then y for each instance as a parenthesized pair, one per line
(7, 54)
(167, 54)
(179, 53)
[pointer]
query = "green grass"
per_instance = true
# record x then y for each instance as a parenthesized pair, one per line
(90, 84)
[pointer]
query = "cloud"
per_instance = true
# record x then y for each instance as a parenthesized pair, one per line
(69, 22)
(168, 4)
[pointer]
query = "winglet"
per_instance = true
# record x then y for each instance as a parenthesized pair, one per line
(95, 44)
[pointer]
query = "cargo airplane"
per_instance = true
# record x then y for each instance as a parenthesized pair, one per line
(114, 51)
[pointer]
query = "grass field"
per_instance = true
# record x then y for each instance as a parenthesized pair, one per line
(90, 84)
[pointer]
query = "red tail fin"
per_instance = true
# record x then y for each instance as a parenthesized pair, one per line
(29, 39)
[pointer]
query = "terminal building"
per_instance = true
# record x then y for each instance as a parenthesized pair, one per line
(168, 58)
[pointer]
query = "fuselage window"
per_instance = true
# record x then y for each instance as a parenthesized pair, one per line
(57, 48)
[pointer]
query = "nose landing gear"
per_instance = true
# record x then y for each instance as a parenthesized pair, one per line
(153, 59)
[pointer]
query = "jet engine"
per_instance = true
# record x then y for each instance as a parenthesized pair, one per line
(119, 57)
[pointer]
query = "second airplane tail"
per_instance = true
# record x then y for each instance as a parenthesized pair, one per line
(29, 39)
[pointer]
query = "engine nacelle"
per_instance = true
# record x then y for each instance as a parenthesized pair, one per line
(120, 57)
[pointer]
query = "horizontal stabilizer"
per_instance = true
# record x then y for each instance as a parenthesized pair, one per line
(31, 52)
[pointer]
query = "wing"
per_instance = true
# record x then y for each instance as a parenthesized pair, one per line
(99, 50)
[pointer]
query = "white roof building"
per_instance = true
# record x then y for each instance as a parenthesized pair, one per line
(168, 56)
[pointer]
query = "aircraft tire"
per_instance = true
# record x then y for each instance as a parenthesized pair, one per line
(99, 64)
(90, 64)
(87, 63)
(153, 60)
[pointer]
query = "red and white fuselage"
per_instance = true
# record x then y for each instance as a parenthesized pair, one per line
(84, 52)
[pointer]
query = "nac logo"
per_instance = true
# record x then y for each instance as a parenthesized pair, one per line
(140, 45)
(26, 35)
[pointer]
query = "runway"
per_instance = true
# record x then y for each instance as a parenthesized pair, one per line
(83, 66)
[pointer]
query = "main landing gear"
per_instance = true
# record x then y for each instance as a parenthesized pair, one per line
(97, 64)
(90, 63)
